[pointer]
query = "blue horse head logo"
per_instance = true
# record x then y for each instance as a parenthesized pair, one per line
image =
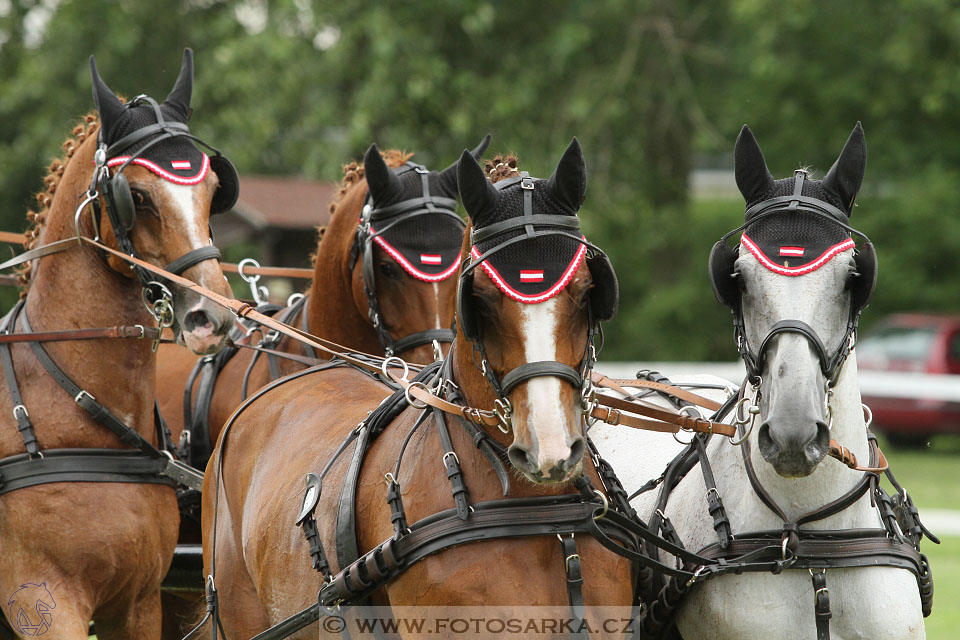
(28, 609)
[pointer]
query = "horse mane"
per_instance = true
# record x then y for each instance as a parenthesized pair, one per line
(352, 174)
(45, 198)
(501, 167)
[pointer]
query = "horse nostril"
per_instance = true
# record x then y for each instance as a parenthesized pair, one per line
(198, 319)
(577, 447)
(522, 459)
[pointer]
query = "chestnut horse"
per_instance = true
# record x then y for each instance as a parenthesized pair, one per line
(528, 308)
(95, 543)
(411, 300)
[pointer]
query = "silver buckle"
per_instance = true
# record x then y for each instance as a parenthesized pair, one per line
(80, 395)
(26, 414)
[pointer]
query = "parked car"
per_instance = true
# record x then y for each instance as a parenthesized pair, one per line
(911, 344)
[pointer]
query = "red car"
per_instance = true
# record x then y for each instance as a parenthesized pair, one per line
(907, 405)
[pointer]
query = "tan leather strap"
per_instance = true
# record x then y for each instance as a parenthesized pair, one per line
(601, 380)
(666, 420)
(273, 272)
(12, 238)
(846, 456)
(122, 331)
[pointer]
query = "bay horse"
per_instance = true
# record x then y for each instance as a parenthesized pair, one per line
(86, 522)
(847, 554)
(375, 291)
(530, 294)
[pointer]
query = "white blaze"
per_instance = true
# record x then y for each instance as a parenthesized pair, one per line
(546, 416)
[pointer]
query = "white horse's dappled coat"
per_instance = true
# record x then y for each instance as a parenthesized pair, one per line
(870, 602)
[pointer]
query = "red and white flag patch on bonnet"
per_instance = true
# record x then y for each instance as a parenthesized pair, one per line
(180, 165)
(430, 258)
(531, 275)
(796, 252)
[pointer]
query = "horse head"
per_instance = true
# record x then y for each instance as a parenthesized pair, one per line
(796, 287)
(157, 190)
(395, 235)
(531, 295)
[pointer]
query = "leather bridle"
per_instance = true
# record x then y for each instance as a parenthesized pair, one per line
(103, 183)
(534, 226)
(386, 218)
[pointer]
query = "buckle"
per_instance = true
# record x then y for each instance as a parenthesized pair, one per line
(79, 397)
(26, 414)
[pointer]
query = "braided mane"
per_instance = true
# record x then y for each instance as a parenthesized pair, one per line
(501, 167)
(45, 198)
(352, 174)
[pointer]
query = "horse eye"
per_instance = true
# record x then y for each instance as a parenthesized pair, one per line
(388, 270)
(140, 199)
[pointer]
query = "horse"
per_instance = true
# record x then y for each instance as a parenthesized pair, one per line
(88, 524)
(530, 294)
(375, 289)
(796, 287)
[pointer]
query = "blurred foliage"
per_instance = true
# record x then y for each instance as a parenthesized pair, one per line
(651, 87)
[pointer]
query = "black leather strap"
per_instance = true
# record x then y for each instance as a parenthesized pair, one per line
(88, 403)
(821, 604)
(421, 338)
(574, 574)
(191, 258)
(451, 464)
(81, 465)
(537, 369)
(20, 413)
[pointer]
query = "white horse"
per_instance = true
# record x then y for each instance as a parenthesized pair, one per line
(794, 427)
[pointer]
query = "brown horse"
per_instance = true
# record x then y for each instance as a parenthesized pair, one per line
(526, 322)
(413, 300)
(97, 549)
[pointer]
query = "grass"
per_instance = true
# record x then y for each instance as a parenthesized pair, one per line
(929, 475)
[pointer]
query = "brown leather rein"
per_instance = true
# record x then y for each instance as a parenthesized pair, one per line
(607, 409)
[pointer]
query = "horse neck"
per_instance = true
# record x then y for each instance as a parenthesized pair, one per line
(76, 289)
(831, 479)
(332, 311)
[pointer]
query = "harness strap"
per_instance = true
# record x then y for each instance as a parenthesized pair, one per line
(191, 258)
(136, 331)
(821, 604)
(572, 569)
(451, 464)
(601, 380)
(531, 370)
(82, 465)
(88, 403)
(24, 425)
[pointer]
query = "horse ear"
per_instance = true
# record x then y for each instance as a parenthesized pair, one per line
(753, 177)
(381, 181)
(846, 174)
(179, 97)
(568, 184)
(480, 148)
(108, 104)
(448, 177)
(478, 195)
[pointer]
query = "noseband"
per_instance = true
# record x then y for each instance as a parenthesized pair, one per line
(722, 259)
(534, 226)
(386, 218)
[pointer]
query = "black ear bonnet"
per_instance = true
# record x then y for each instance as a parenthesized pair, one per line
(532, 263)
(156, 136)
(420, 230)
(794, 229)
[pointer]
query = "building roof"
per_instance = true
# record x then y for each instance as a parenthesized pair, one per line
(288, 203)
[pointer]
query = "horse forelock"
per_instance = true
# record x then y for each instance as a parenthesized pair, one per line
(88, 127)
(501, 167)
(353, 173)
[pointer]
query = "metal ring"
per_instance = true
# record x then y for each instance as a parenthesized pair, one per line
(251, 279)
(76, 216)
(679, 441)
(687, 409)
(410, 399)
(400, 362)
(388, 477)
(606, 504)
(868, 415)
(294, 298)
